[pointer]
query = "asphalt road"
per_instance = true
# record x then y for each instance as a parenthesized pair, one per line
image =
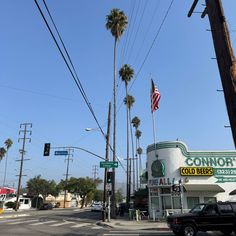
(66, 222)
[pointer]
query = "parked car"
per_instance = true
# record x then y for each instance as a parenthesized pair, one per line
(46, 206)
(220, 216)
(96, 207)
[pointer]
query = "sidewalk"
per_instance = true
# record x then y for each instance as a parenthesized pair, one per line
(125, 223)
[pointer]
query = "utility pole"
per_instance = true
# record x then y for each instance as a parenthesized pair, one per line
(68, 159)
(224, 55)
(95, 171)
(22, 152)
(105, 170)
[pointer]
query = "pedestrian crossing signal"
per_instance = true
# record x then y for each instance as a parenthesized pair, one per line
(46, 151)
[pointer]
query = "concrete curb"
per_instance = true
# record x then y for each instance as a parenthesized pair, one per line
(118, 225)
(99, 223)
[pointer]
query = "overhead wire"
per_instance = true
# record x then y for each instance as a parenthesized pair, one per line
(74, 75)
(135, 36)
(153, 42)
(150, 48)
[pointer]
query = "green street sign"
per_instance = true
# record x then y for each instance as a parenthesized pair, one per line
(108, 164)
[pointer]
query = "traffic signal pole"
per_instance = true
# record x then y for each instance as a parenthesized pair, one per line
(224, 55)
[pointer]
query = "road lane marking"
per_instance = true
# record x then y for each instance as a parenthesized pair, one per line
(80, 225)
(63, 223)
(44, 222)
(21, 222)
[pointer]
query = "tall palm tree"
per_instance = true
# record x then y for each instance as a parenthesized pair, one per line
(8, 143)
(129, 101)
(2, 153)
(126, 73)
(116, 22)
(139, 150)
(136, 123)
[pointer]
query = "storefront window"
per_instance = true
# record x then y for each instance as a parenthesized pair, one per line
(209, 199)
(165, 190)
(166, 201)
(176, 202)
(155, 203)
(192, 201)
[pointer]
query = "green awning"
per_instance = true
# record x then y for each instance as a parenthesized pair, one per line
(203, 188)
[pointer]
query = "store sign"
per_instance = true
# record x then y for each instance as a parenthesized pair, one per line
(196, 171)
(225, 179)
(161, 182)
(211, 161)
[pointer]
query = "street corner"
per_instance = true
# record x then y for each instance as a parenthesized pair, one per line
(105, 224)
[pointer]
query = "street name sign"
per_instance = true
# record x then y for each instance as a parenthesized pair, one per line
(108, 164)
(61, 153)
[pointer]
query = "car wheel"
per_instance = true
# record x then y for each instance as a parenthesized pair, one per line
(189, 230)
(226, 232)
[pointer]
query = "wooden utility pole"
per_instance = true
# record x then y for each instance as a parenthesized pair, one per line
(224, 55)
(105, 170)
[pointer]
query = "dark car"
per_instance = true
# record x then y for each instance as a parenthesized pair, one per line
(219, 216)
(46, 206)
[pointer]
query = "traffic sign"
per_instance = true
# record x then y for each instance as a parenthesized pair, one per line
(61, 153)
(108, 164)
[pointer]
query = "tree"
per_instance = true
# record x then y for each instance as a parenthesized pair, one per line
(8, 143)
(2, 152)
(129, 101)
(37, 185)
(98, 195)
(126, 73)
(84, 187)
(139, 151)
(136, 123)
(116, 22)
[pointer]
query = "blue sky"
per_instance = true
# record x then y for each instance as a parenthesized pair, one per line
(36, 86)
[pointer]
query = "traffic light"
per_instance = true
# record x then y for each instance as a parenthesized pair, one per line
(46, 151)
(109, 177)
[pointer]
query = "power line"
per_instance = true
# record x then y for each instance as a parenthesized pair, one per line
(74, 75)
(148, 52)
(153, 42)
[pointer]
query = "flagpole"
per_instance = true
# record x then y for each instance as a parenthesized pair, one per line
(154, 133)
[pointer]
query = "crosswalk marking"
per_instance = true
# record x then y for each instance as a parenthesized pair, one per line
(80, 225)
(8, 220)
(62, 223)
(131, 234)
(21, 222)
(44, 222)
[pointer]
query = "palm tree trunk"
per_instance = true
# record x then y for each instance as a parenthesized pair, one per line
(113, 198)
(132, 143)
(5, 171)
(127, 156)
(136, 157)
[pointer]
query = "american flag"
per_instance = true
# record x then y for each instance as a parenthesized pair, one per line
(155, 97)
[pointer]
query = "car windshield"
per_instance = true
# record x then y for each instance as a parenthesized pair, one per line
(197, 208)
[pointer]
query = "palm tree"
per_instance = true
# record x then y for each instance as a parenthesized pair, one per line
(136, 123)
(139, 150)
(126, 73)
(129, 101)
(116, 22)
(2, 152)
(8, 143)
